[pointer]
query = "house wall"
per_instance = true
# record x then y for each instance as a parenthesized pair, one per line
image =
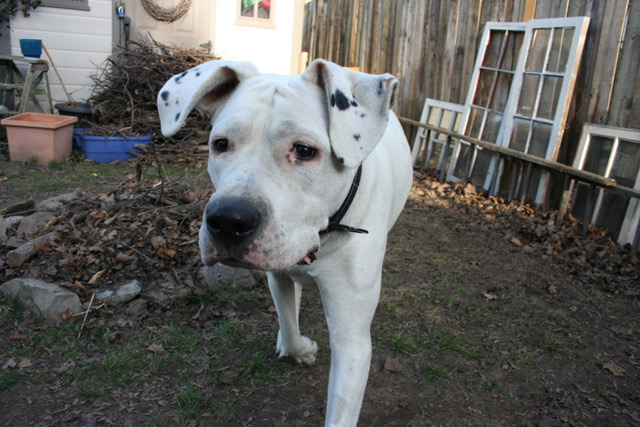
(77, 40)
(272, 50)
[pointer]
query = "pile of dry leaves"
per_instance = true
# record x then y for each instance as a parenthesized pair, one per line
(139, 230)
(594, 258)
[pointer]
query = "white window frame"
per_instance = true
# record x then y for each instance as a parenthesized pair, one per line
(255, 21)
(579, 26)
(422, 147)
(632, 215)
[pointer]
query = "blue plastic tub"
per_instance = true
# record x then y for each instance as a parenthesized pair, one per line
(31, 48)
(105, 149)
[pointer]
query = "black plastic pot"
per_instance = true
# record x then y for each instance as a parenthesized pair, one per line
(77, 109)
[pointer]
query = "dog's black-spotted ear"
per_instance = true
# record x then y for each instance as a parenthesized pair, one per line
(206, 86)
(358, 106)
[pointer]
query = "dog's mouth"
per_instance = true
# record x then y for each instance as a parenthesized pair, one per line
(311, 256)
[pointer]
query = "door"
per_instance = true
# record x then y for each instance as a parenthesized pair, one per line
(193, 29)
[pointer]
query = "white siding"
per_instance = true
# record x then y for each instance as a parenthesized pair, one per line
(78, 41)
(271, 50)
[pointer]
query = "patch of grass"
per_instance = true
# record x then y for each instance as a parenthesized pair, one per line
(90, 390)
(436, 373)
(8, 380)
(227, 331)
(264, 366)
(191, 401)
(404, 345)
(14, 306)
(437, 338)
(492, 386)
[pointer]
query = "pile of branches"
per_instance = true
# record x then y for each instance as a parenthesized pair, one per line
(128, 82)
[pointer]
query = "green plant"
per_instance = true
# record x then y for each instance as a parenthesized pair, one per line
(9, 9)
(8, 379)
(191, 401)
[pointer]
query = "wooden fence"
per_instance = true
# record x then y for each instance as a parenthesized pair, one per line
(431, 46)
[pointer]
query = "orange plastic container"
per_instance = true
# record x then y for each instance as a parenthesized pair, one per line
(45, 137)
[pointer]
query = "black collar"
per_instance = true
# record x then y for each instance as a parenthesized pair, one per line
(334, 221)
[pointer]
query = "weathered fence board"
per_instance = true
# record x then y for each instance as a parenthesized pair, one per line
(431, 45)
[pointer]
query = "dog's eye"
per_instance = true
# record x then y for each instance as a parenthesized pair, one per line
(220, 145)
(304, 152)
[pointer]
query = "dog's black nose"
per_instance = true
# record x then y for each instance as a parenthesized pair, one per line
(231, 221)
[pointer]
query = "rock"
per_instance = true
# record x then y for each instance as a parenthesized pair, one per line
(30, 225)
(3, 231)
(165, 298)
(18, 256)
(18, 208)
(221, 275)
(125, 293)
(10, 221)
(57, 203)
(137, 308)
(42, 298)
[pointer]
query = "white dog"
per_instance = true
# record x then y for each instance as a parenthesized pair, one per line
(310, 174)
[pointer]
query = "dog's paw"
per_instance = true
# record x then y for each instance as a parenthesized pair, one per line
(305, 354)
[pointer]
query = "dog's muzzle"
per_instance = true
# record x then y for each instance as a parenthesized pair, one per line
(232, 221)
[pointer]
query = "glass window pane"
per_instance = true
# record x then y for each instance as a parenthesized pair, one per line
(492, 53)
(481, 168)
(434, 116)
(598, 154)
(540, 135)
(264, 9)
(474, 125)
(612, 212)
(483, 89)
(512, 51)
(447, 117)
(560, 47)
(551, 88)
(491, 127)
(464, 158)
(246, 8)
(457, 124)
(538, 51)
(520, 134)
(626, 163)
(498, 100)
(528, 94)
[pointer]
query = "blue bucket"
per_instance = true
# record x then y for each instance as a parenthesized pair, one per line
(105, 149)
(31, 48)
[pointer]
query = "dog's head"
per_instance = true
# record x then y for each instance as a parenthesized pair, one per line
(283, 151)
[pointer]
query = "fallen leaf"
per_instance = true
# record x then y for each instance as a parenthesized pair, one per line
(24, 363)
(553, 290)
(66, 315)
(516, 242)
(94, 279)
(16, 336)
(613, 368)
(490, 297)
(157, 349)
(10, 364)
(228, 377)
(392, 365)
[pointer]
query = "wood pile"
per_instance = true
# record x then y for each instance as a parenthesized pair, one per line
(128, 82)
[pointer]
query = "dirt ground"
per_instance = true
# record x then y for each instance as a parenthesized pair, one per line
(490, 314)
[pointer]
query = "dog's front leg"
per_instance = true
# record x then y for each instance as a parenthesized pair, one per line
(286, 297)
(349, 309)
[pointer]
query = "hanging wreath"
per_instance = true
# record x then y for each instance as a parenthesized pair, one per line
(166, 14)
